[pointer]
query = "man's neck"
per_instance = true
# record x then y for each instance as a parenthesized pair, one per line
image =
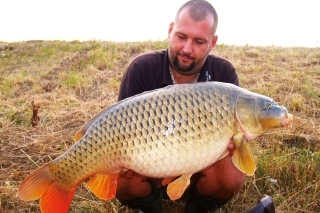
(178, 78)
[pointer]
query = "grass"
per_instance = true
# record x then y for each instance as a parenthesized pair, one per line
(73, 81)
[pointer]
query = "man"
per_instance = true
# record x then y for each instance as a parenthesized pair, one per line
(191, 38)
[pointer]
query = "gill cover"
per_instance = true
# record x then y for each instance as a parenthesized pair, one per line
(246, 113)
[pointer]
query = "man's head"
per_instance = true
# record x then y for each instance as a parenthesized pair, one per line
(192, 36)
(198, 11)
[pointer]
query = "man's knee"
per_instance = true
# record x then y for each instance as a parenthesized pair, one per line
(149, 204)
(221, 180)
(134, 187)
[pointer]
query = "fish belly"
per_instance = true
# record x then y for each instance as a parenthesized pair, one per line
(176, 160)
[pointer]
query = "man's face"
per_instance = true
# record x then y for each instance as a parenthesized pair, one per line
(190, 42)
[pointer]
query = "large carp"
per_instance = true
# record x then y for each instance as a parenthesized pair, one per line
(175, 131)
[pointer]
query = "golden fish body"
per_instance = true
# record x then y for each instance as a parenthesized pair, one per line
(174, 131)
(164, 133)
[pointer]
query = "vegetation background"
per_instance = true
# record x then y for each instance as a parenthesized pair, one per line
(58, 86)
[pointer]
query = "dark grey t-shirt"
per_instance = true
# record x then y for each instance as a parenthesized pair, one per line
(150, 71)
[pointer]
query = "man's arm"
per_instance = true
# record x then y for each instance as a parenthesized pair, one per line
(131, 83)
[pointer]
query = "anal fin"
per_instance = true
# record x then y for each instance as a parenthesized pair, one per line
(104, 186)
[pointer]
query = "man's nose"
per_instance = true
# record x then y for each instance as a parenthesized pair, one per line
(188, 46)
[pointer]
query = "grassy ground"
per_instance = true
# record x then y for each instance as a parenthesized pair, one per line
(70, 82)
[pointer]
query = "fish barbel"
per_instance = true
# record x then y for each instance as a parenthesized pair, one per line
(175, 131)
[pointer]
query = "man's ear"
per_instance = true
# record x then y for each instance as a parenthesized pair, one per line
(170, 27)
(214, 41)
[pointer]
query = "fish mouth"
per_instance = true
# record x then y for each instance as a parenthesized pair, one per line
(286, 120)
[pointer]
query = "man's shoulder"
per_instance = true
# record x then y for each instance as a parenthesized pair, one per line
(218, 59)
(221, 69)
(150, 55)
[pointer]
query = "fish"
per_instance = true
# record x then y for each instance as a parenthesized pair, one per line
(170, 133)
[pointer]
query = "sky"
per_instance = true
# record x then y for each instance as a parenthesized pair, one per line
(241, 22)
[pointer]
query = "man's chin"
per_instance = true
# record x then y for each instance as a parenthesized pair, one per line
(185, 62)
(185, 68)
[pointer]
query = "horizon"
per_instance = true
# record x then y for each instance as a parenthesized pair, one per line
(247, 22)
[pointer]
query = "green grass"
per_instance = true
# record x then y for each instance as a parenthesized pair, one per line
(73, 81)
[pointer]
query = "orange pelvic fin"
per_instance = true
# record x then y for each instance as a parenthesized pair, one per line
(39, 184)
(178, 186)
(104, 186)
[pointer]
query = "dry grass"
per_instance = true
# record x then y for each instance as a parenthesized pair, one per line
(73, 81)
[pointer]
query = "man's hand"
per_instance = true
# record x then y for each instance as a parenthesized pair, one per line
(231, 147)
(126, 173)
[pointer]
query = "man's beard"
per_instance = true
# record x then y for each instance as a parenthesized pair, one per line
(181, 68)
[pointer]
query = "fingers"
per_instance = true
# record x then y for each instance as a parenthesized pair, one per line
(231, 147)
(133, 187)
(129, 174)
(126, 173)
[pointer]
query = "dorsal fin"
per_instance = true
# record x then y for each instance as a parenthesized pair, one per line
(79, 134)
(85, 127)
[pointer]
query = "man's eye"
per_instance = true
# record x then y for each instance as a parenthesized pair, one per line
(199, 42)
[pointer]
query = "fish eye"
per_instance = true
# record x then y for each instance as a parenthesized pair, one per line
(268, 105)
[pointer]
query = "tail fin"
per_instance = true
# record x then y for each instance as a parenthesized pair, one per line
(39, 184)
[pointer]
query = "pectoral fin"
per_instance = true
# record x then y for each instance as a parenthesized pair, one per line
(242, 156)
(177, 187)
(104, 186)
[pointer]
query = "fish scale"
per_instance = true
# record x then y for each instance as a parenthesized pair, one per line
(175, 131)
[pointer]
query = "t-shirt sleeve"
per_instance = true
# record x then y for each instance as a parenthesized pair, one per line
(144, 73)
(223, 71)
(231, 75)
